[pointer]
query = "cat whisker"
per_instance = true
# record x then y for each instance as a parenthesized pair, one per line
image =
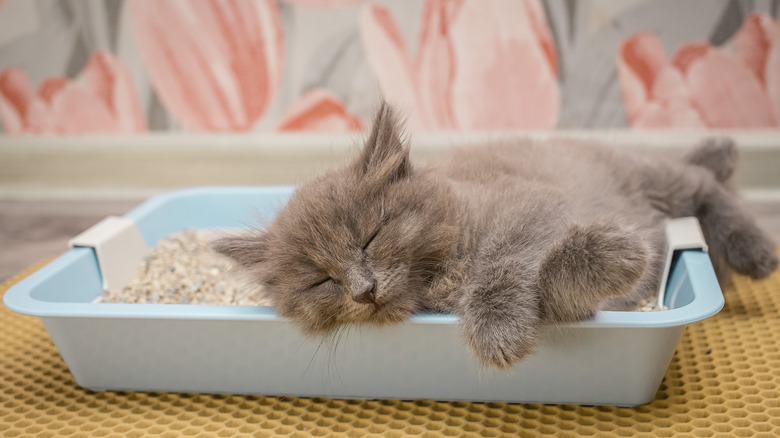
(331, 342)
(338, 335)
(314, 355)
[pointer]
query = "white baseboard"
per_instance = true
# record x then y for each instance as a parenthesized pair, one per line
(136, 167)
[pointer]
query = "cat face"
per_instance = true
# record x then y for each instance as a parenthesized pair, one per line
(359, 244)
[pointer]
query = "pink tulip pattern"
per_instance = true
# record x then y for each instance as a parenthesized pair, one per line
(320, 110)
(101, 100)
(481, 64)
(215, 64)
(702, 86)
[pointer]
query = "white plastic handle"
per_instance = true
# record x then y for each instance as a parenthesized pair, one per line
(119, 246)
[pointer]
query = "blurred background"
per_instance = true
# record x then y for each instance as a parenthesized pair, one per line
(106, 102)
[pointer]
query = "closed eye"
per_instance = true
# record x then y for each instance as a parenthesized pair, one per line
(371, 239)
(320, 283)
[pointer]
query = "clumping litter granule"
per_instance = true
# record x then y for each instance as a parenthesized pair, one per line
(650, 305)
(182, 269)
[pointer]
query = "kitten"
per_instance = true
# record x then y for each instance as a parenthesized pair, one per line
(509, 236)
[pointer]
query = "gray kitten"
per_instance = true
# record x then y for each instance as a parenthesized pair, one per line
(508, 236)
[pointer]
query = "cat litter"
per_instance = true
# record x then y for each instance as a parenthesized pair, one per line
(615, 358)
(182, 269)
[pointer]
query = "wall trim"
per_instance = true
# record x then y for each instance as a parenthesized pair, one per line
(135, 167)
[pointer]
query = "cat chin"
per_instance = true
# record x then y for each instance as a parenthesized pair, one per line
(379, 317)
(375, 315)
(385, 315)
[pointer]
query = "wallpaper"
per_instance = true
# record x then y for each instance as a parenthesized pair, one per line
(134, 66)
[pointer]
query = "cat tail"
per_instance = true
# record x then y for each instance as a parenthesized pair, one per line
(717, 154)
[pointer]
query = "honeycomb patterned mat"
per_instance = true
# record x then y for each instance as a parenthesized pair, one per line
(724, 380)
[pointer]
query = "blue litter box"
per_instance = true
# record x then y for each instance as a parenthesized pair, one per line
(616, 358)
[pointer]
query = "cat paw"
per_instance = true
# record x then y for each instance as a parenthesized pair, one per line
(749, 251)
(499, 347)
(600, 259)
(718, 154)
(590, 264)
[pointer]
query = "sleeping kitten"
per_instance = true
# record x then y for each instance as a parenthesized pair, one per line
(508, 236)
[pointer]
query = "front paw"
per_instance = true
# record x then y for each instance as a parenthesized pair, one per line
(749, 251)
(591, 263)
(500, 346)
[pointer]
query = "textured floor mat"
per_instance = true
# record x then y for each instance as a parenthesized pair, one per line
(724, 380)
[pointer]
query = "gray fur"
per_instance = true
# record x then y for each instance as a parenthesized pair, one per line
(509, 236)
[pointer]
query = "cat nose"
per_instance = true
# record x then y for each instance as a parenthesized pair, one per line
(366, 293)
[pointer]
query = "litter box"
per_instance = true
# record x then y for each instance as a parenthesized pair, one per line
(616, 358)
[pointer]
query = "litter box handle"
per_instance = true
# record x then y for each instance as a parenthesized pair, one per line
(118, 245)
(681, 234)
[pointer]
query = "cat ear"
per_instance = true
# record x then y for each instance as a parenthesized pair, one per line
(246, 250)
(385, 155)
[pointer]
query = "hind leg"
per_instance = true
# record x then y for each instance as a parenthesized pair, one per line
(590, 263)
(732, 232)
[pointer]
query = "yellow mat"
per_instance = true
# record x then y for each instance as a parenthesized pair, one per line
(724, 380)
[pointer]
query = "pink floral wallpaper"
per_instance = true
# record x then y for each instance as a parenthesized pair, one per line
(128, 67)
(704, 86)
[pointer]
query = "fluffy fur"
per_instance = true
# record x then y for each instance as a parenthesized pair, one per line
(508, 236)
